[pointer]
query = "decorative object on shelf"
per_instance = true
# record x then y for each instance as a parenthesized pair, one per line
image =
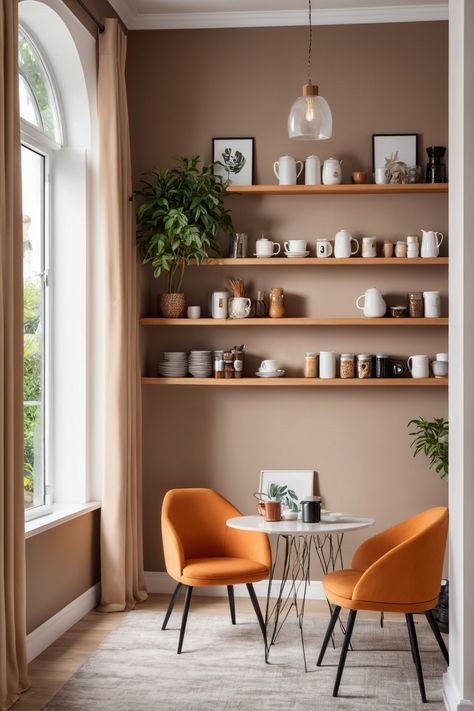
(382, 365)
(414, 174)
(346, 365)
(413, 247)
(172, 231)
(220, 304)
(441, 365)
(310, 117)
(259, 305)
(343, 243)
(238, 353)
(327, 365)
(419, 366)
(277, 307)
(435, 168)
(374, 305)
(310, 365)
(394, 152)
(218, 364)
(296, 248)
(369, 247)
(388, 249)
(238, 245)
(234, 159)
(398, 311)
(265, 248)
(364, 365)
(332, 171)
(228, 365)
(287, 171)
(359, 177)
(401, 249)
(312, 170)
(381, 175)
(193, 312)
(430, 243)
(432, 300)
(239, 307)
(237, 287)
(415, 304)
(323, 248)
(398, 368)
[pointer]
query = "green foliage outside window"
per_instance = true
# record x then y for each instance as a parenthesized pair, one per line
(32, 72)
(32, 344)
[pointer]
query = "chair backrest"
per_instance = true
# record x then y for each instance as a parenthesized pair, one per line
(404, 563)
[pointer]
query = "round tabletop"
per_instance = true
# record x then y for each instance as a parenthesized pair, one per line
(297, 528)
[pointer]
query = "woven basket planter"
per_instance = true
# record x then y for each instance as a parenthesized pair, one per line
(173, 305)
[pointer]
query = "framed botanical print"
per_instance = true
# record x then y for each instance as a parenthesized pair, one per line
(235, 159)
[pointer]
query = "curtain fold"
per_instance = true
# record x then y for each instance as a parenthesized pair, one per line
(13, 668)
(121, 529)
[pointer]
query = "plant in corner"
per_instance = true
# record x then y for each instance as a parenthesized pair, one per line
(431, 437)
(178, 220)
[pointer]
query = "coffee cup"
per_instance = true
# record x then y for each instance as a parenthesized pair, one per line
(432, 301)
(266, 248)
(268, 366)
(440, 368)
(193, 312)
(419, 366)
(239, 307)
(369, 247)
(323, 248)
(295, 245)
(381, 176)
(272, 511)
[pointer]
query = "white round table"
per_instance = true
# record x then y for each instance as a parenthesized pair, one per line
(298, 539)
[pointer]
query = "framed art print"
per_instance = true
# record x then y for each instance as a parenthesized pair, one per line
(235, 158)
(394, 146)
(301, 481)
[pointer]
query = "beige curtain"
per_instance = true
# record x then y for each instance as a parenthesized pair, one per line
(121, 534)
(13, 671)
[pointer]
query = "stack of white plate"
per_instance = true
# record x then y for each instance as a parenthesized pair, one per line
(174, 364)
(200, 364)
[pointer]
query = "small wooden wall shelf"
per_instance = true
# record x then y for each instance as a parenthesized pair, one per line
(300, 382)
(330, 262)
(302, 322)
(349, 189)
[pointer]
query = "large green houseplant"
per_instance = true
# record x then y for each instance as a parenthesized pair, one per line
(178, 219)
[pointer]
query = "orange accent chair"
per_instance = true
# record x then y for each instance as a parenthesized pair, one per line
(398, 570)
(202, 551)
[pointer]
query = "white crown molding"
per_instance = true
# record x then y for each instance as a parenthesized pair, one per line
(280, 18)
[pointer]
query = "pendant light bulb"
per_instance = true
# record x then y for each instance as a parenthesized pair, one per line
(309, 108)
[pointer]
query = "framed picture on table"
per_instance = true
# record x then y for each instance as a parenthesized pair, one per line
(236, 159)
(299, 481)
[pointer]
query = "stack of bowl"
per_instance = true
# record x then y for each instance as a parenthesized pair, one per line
(200, 364)
(174, 364)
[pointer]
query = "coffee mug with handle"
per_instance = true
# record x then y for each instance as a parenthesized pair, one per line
(323, 248)
(269, 366)
(419, 366)
(295, 245)
(239, 307)
(343, 243)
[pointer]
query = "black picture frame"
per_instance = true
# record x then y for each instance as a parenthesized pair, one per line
(243, 144)
(408, 142)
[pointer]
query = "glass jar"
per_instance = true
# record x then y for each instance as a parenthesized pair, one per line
(364, 365)
(415, 304)
(346, 365)
(228, 365)
(310, 365)
(277, 308)
(219, 364)
(238, 360)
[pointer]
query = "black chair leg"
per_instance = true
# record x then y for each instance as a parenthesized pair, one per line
(258, 611)
(416, 654)
(174, 597)
(434, 626)
(332, 622)
(345, 647)
(230, 593)
(184, 619)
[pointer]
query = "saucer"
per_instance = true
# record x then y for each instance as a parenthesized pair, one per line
(264, 256)
(296, 254)
(270, 374)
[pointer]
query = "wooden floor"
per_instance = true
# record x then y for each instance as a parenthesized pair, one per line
(51, 669)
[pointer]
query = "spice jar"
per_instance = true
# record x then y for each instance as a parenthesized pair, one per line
(415, 304)
(228, 365)
(364, 365)
(310, 365)
(219, 364)
(277, 308)
(346, 365)
(388, 249)
(401, 249)
(238, 360)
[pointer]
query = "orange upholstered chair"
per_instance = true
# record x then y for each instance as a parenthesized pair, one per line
(399, 570)
(202, 551)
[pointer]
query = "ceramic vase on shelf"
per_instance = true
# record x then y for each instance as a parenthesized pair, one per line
(173, 305)
(277, 307)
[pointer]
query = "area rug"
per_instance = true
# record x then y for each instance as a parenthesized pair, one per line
(222, 668)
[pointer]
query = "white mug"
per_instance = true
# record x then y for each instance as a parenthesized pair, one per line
(342, 245)
(219, 304)
(266, 248)
(239, 307)
(381, 176)
(312, 170)
(286, 171)
(327, 364)
(443, 357)
(323, 248)
(419, 366)
(430, 242)
(268, 366)
(194, 312)
(432, 304)
(369, 247)
(295, 245)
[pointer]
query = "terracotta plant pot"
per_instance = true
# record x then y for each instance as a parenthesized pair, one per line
(173, 305)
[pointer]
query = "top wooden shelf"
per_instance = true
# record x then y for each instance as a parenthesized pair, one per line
(349, 189)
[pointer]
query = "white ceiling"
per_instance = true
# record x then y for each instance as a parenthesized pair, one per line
(180, 14)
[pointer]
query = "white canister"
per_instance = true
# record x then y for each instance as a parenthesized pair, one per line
(332, 172)
(419, 366)
(381, 176)
(219, 304)
(327, 364)
(312, 170)
(369, 247)
(432, 301)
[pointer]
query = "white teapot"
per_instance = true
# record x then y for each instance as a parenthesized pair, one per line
(285, 170)
(374, 304)
(332, 171)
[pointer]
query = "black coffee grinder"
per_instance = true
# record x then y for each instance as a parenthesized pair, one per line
(435, 168)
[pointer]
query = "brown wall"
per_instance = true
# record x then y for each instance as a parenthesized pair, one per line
(186, 87)
(61, 564)
(99, 8)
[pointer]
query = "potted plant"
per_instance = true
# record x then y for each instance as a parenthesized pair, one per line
(282, 493)
(181, 211)
(431, 437)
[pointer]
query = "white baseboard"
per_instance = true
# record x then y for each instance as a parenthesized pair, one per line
(44, 635)
(160, 582)
(451, 695)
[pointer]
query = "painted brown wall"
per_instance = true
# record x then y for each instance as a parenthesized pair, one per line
(186, 87)
(61, 564)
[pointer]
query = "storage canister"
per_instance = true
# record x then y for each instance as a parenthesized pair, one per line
(310, 365)
(346, 365)
(364, 365)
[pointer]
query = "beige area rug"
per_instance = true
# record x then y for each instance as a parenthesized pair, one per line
(222, 668)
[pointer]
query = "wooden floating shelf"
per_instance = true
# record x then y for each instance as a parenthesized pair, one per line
(301, 382)
(329, 262)
(303, 322)
(349, 189)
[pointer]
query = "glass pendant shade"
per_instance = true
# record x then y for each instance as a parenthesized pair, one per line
(310, 117)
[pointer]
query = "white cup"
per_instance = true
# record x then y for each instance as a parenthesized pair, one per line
(268, 366)
(266, 248)
(323, 248)
(440, 368)
(443, 357)
(295, 245)
(369, 247)
(219, 304)
(239, 307)
(193, 312)
(432, 304)
(343, 243)
(419, 366)
(381, 176)
(327, 364)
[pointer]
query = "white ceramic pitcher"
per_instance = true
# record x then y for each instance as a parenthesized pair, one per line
(374, 304)
(285, 169)
(343, 245)
(430, 242)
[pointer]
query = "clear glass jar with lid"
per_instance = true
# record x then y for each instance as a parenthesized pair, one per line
(310, 364)
(347, 365)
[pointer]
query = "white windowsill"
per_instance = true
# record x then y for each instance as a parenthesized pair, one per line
(61, 513)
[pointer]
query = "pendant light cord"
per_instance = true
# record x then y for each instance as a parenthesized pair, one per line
(310, 42)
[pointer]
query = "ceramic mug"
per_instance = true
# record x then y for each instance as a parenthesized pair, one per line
(295, 245)
(432, 304)
(266, 248)
(270, 510)
(323, 248)
(369, 247)
(268, 366)
(342, 245)
(440, 368)
(239, 307)
(327, 364)
(194, 312)
(419, 366)
(381, 176)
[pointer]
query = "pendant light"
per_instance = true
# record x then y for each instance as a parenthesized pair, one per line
(310, 117)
